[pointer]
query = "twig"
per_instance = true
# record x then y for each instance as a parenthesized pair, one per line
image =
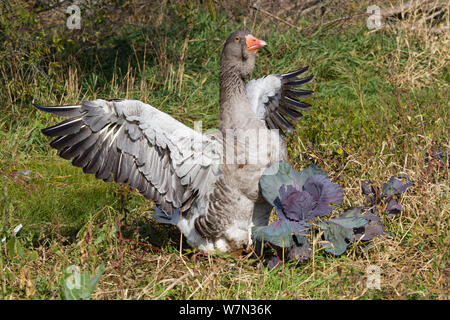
(275, 17)
(341, 19)
(327, 23)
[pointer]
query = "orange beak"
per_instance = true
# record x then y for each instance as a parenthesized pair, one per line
(253, 44)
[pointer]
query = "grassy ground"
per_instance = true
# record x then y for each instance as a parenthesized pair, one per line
(381, 104)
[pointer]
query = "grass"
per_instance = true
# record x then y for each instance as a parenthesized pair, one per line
(381, 104)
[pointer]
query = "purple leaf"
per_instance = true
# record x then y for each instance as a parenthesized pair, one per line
(371, 192)
(271, 183)
(351, 218)
(309, 171)
(274, 262)
(313, 201)
(374, 226)
(370, 216)
(394, 186)
(372, 230)
(282, 173)
(337, 236)
(301, 251)
(295, 205)
(341, 231)
(324, 193)
(393, 207)
(281, 232)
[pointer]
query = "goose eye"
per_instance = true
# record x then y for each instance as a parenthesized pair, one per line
(237, 39)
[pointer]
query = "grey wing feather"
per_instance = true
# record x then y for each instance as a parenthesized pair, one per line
(132, 142)
(274, 99)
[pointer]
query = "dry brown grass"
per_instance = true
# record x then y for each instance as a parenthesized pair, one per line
(423, 44)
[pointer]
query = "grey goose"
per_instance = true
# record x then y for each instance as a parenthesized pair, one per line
(207, 184)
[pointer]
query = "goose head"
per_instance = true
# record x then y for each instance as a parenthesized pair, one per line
(239, 53)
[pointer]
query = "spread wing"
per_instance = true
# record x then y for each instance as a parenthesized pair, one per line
(274, 99)
(132, 142)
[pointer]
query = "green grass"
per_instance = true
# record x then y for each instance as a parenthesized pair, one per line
(369, 121)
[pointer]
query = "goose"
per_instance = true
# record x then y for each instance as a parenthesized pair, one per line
(207, 184)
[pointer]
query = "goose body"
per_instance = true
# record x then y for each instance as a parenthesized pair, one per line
(205, 184)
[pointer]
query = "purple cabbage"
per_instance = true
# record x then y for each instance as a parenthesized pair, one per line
(388, 194)
(297, 197)
(302, 196)
(309, 196)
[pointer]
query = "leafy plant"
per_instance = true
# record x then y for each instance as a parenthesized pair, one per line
(351, 225)
(301, 197)
(79, 286)
(387, 195)
(15, 248)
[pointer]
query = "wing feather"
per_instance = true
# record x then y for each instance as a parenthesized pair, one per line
(274, 99)
(132, 142)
